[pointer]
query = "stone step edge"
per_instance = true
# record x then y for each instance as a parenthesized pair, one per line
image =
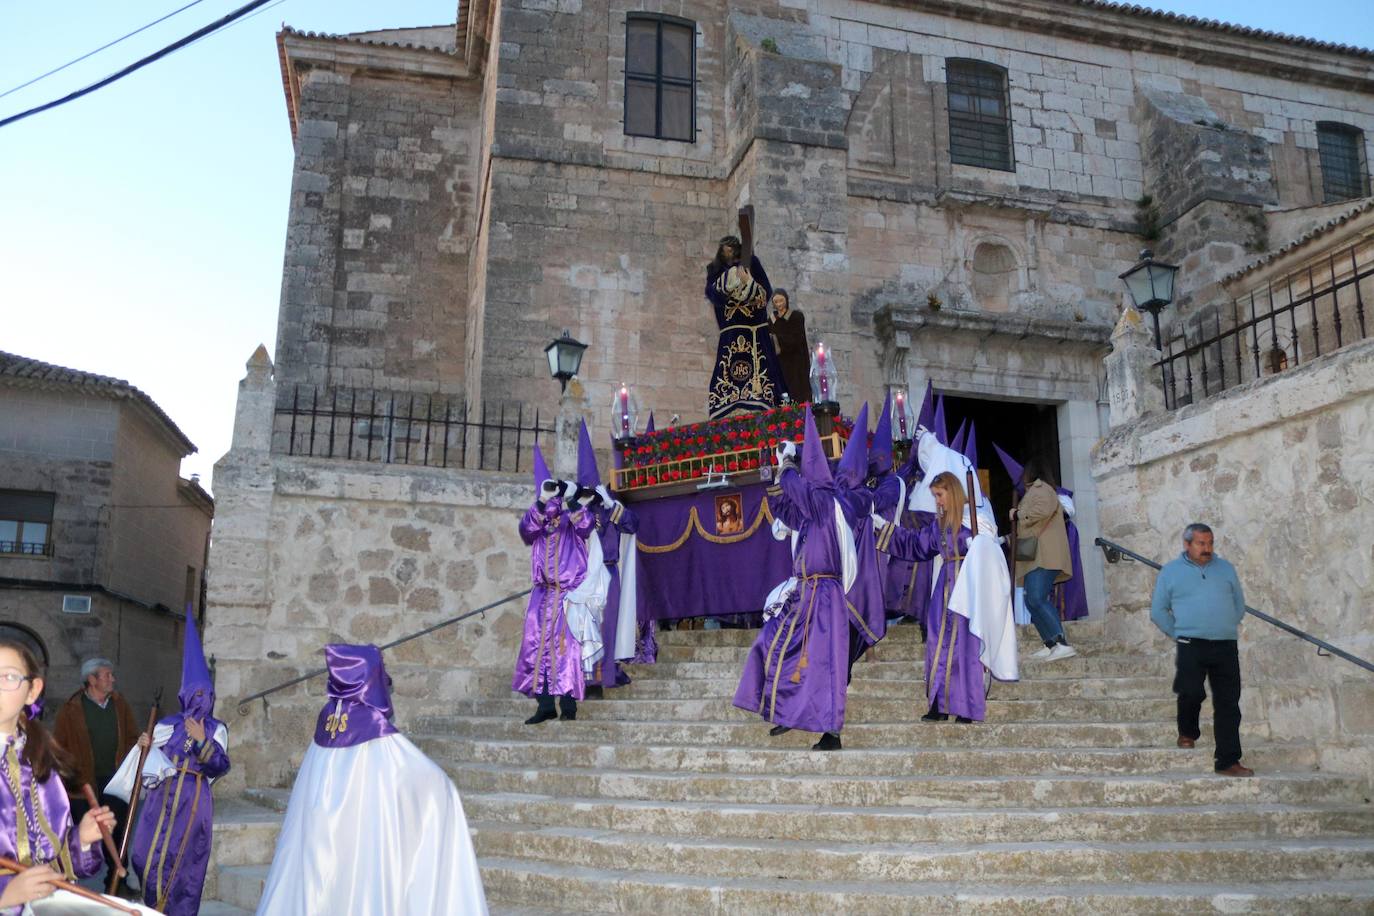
(925, 889)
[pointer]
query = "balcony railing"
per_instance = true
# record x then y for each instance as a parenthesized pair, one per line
(26, 548)
(408, 429)
(1290, 321)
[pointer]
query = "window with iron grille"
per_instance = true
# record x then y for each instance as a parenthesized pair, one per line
(1345, 175)
(26, 523)
(979, 115)
(660, 77)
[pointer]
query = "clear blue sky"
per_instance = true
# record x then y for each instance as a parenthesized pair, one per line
(141, 227)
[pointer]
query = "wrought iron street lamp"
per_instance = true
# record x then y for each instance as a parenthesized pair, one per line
(565, 358)
(1151, 285)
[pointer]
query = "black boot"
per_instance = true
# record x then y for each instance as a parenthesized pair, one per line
(962, 720)
(935, 715)
(568, 704)
(544, 712)
(595, 692)
(830, 741)
(779, 730)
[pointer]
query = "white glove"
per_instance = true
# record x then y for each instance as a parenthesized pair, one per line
(548, 489)
(604, 494)
(786, 451)
(879, 523)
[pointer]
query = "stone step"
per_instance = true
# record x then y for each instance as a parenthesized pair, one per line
(538, 883)
(1195, 786)
(887, 650)
(798, 859)
(1118, 665)
(753, 732)
(1029, 689)
(860, 710)
(1077, 631)
(880, 824)
(993, 761)
(241, 885)
(220, 908)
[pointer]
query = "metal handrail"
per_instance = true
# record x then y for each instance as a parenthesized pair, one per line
(1115, 552)
(243, 704)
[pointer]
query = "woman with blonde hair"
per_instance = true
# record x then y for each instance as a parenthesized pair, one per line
(953, 670)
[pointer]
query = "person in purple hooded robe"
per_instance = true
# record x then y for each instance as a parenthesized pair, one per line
(189, 750)
(906, 584)
(35, 814)
(864, 599)
(616, 526)
(549, 663)
(953, 670)
(796, 674)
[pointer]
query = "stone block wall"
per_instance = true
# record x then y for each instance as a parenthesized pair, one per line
(1280, 469)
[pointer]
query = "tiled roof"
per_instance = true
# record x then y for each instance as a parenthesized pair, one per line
(1215, 25)
(49, 375)
(361, 38)
(1364, 206)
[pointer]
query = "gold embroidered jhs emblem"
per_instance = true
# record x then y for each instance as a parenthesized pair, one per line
(336, 724)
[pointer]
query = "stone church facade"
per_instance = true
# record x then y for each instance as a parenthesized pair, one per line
(950, 190)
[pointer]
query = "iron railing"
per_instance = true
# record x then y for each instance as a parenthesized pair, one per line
(1290, 321)
(405, 428)
(1115, 553)
(243, 704)
(27, 548)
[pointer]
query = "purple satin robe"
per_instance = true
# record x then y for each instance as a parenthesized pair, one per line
(954, 675)
(550, 657)
(797, 671)
(54, 810)
(359, 706)
(610, 525)
(1071, 597)
(171, 843)
(864, 600)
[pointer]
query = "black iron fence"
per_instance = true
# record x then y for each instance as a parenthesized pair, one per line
(404, 428)
(1290, 321)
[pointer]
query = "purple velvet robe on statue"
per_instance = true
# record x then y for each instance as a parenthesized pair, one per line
(54, 811)
(954, 675)
(797, 670)
(610, 525)
(550, 656)
(171, 843)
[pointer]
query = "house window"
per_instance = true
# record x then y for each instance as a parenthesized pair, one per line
(26, 523)
(979, 115)
(1345, 175)
(660, 77)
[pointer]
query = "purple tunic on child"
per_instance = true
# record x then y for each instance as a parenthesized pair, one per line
(550, 658)
(25, 836)
(797, 670)
(954, 674)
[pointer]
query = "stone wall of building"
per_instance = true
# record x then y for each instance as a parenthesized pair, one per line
(1280, 469)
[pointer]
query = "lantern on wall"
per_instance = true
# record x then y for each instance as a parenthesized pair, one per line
(565, 358)
(1151, 285)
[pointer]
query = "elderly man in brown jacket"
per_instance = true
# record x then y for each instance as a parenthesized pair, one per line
(96, 726)
(1041, 516)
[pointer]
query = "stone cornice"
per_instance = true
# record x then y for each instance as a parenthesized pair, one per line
(1134, 28)
(1079, 336)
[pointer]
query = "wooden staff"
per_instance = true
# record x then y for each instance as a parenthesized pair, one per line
(972, 505)
(1011, 547)
(120, 870)
(9, 864)
(746, 236)
(137, 790)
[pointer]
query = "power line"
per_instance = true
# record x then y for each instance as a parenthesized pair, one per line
(143, 62)
(99, 49)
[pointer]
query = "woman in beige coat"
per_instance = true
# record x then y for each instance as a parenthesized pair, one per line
(1041, 516)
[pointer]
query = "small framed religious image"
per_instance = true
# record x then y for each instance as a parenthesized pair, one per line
(729, 514)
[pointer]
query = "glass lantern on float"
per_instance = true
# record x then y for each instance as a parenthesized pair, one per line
(824, 382)
(624, 415)
(903, 418)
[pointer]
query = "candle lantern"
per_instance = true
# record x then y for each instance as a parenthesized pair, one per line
(624, 413)
(824, 382)
(903, 419)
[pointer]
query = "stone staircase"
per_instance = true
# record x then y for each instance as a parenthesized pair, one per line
(1072, 798)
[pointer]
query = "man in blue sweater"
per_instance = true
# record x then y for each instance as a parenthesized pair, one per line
(1199, 604)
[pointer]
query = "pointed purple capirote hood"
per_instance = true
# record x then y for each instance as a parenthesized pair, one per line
(541, 470)
(814, 467)
(926, 418)
(938, 422)
(958, 443)
(853, 466)
(587, 473)
(971, 444)
(880, 452)
(649, 427)
(1013, 467)
(197, 694)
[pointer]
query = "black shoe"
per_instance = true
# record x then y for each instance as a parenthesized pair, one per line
(962, 720)
(779, 730)
(542, 716)
(568, 716)
(829, 742)
(596, 692)
(935, 715)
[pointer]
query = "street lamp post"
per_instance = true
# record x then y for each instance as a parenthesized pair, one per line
(565, 358)
(1151, 285)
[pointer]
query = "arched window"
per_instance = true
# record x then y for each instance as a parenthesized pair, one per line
(979, 114)
(660, 77)
(1345, 175)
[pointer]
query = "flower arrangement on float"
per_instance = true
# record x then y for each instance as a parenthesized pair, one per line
(731, 445)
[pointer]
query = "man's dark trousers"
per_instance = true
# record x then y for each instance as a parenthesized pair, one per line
(1215, 661)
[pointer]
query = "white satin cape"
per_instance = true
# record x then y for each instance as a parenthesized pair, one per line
(373, 830)
(627, 624)
(982, 593)
(158, 766)
(586, 604)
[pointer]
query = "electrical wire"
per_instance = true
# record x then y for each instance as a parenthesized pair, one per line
(99, 49)
(195, 36)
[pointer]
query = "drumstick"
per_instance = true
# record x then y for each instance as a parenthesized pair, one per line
(8, 864)
(105, 835)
